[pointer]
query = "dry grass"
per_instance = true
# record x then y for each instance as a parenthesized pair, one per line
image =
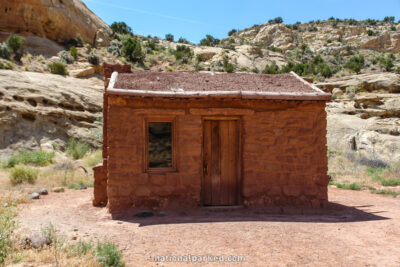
(352, 170)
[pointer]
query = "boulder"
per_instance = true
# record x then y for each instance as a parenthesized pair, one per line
(336, 92)
(385, 81)
(35, 196)
(58, 189)
(43, 191)
(37, 241)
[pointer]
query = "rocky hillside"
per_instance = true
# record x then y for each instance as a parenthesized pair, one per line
(48, 23)
(46, 110)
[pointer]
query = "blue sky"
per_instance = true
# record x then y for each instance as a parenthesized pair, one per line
(194, 19)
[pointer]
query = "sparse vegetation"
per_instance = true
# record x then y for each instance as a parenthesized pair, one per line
(132, 50)
(93, 58)
(15, 42)
(66, 57)
(7, 226)
(38, 158)
(232, 32)
(5, 51)
(58, 68)
(108, 254)
(228, 67)
(120, 28)
(77, 149)
(169, 37)
(20, 174)
(209, 41)
(182, 53)
(356, 63)
(74, 52)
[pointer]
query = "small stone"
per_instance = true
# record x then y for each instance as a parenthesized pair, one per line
(74, 237)
(43, 191)
(75, 229)
(83, 187)
(144, 213)
(37, 240)
(58, 189)
(35, 196)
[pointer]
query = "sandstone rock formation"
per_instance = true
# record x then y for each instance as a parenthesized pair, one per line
(385, 81)
(57, 20)
(370, 124)
(38, 110)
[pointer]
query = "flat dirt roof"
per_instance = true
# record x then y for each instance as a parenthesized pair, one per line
(185, 84)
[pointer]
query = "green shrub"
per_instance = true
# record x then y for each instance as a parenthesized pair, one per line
(93, 58)
(6, 65)
(228, 67)
(353, 186)
(371, 33)
(58, 68)
(232, 32)
(271, 69)
(79, 40)
(38, 158)
(20, 174)
(132, 50)
(7, 226)
(114, 48)
(5, 51)
(383, 191)
(209, 41)
(275, 20)
(397, 70)
(182, 51)
(74, 52)
(355, 63)
(169, 37)
(183, 40)
(81, 248)
(386, 63)
(390, 182)
(66, 57)
(108, 254)
(120, 28)
(389, 19)
(15, 42)
(77, 149)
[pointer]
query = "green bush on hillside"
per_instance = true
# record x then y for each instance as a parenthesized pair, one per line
(120, 28)
(132, 50)
(15, 42)
(77, 149)
(5, 51)
(58, 68)
(93, 58)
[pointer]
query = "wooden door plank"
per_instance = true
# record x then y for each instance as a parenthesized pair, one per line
(225, 164)
(215, 162)
(233, 141)
(207, 187)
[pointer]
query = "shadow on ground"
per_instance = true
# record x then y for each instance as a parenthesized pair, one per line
(334, 213)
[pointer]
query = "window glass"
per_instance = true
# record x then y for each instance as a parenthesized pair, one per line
(160, 144)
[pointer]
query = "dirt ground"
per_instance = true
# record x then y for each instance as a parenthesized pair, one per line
(359, 229)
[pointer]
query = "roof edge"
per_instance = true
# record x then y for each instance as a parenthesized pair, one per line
(113, 80)
(312, 86)
(317, 96)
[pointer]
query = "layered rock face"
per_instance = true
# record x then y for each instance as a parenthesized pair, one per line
(56, 20)
(41, 110)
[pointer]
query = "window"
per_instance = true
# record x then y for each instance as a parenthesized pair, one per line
(160, 145)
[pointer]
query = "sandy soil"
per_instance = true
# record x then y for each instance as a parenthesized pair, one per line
(359, 229)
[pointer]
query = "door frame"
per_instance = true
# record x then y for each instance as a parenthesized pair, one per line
(239, 170)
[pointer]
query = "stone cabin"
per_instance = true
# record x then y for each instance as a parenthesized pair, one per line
(184, 140)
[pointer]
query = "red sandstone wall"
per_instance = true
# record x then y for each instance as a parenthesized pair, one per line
(284, 153)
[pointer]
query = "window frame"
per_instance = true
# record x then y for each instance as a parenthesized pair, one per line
(172, 120)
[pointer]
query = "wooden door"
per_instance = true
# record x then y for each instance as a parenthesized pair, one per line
(220, 162)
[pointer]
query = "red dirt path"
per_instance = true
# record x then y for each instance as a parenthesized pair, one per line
(360, 229)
